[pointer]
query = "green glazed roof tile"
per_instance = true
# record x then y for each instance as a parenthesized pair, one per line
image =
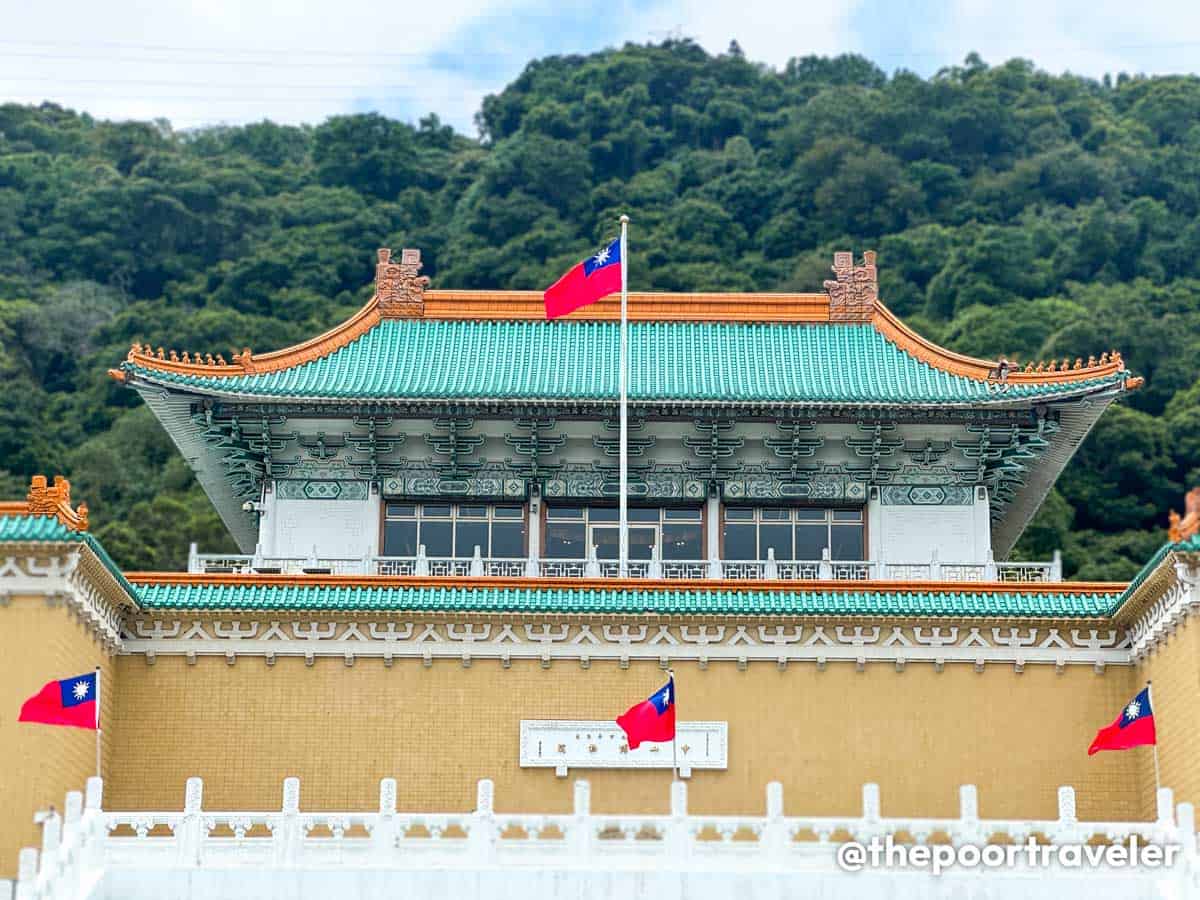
(694, 601)
(669, 361)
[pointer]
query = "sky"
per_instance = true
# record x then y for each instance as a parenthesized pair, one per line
(232, 61)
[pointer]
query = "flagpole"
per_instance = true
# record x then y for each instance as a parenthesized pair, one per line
(675, 735)
(1154, 746)
(98, 775)
(623, 502)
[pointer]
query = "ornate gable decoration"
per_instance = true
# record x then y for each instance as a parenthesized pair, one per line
(399, 288)
(853, 295)
(55, 500)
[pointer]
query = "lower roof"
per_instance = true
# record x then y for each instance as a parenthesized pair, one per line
(1083, 600)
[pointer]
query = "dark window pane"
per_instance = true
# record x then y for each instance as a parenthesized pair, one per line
(738, 514)
(641, 543)
(439, 510)
(774, 515)
(641, 514)
(605, 541)
(565, 512)
(508, 512)
(469, 534)
(472, 512)
(810, 515)
(847, 515)
(741, 542)
(602, 514)
(435, 535)
(847, 542)
(508, 539)
(778, 537)
(400, 538)
(565, 540)
(681, 542)
(811, 540)
(690, 514)
(403, 510)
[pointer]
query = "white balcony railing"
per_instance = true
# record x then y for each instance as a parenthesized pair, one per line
(735, 570)
(90, 852)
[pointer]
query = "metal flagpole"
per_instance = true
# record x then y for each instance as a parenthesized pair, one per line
(675, 736)
(1154, 746)
(623, 501)
(98, 722)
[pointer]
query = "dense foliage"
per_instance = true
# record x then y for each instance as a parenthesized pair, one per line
(1014, 212)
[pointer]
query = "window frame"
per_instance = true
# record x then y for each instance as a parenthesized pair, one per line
(490, 519)
(829, 520)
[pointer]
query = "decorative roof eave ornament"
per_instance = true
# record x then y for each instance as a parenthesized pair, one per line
(1180, 528)
(399, 288)
(45, 499)
(854, 292)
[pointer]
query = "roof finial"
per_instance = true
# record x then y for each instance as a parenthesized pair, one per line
(399, 287)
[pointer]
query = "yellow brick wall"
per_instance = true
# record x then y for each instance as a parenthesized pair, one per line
(1174, 668)
(918, 733)
(41, 763)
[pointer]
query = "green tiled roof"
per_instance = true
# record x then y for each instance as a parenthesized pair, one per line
(669, 361)
(36, 529)
(568, 600)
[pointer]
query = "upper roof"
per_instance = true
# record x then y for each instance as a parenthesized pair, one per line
(839, 347)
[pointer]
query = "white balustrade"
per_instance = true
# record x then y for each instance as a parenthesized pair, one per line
(86, 843)
(736, 570)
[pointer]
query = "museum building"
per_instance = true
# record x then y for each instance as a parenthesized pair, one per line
(428, 596)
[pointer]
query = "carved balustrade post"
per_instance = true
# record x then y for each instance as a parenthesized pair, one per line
(679, 844)
(482, 836)
(190, 836)
(287, 835)
(775, 837)
(384, 833)
(581, 836)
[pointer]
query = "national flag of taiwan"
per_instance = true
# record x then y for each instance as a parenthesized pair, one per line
(653, 719)
(1134, 727)
(595, 277)
(71, 701)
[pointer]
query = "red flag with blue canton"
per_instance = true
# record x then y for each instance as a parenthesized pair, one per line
(594, 278)
(1134, 727)
(69, 701)
(653, 719)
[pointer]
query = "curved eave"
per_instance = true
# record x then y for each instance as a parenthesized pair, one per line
(781, 309)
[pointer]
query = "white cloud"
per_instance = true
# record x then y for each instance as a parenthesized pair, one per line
(303, 60)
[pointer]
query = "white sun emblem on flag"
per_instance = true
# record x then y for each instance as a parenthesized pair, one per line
(80, 689)
(601, 258)
(1132, 710)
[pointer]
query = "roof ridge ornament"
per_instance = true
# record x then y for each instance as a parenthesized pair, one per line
(854, 293)
(46, 499)
(399, 288)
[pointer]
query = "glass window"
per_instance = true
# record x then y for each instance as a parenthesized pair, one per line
(400, 538)
(802, 533)
(566, 540)
(438, 537)
(682, 541)
(678, 531)
(454, 530)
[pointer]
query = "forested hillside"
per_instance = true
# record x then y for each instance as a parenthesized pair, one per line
(1013, 211)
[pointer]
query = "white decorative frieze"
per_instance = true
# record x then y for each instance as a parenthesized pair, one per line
(550, 641)
(563, 745)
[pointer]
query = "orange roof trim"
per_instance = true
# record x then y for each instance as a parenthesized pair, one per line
(852, 296)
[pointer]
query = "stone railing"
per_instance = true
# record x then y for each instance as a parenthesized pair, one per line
(479, 566)
(93, 853)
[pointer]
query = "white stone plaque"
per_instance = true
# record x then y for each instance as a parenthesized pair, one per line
(568, 744)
